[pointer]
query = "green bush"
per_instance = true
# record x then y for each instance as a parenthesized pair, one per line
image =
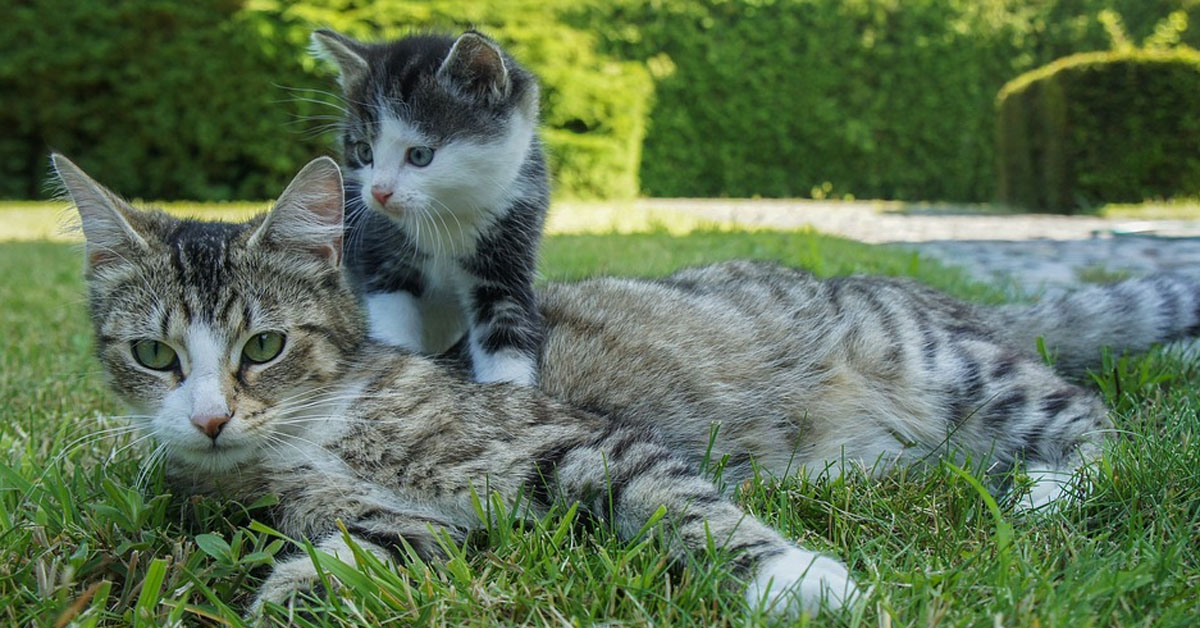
(1101, 127)
(215, 100)
(873, 98)
(158, 99)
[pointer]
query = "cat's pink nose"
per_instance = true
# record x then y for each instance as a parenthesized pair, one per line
(210, 424)
(381, 194)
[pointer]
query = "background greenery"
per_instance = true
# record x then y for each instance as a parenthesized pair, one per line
(173, 99)
(1055, 124)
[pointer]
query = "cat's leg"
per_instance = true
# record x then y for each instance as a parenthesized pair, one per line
(387, 268)
(382, 533)
(298, 575)
(1021, 413)
(505, 332)
(395, 319)
(642, 475)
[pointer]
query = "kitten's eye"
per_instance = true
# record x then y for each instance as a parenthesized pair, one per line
(362, 152)
(155, 355)
(263, 347)
(420, 156)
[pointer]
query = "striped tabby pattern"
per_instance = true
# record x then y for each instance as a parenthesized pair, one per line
(392, 444)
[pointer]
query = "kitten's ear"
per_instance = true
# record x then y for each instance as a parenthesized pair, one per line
(476, 65)
(347, 54)
(307, 217)
(105, 217)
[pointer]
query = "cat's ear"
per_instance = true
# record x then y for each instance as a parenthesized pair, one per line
(104, 216)
(348, 55)
(307, 218)
(476, 65)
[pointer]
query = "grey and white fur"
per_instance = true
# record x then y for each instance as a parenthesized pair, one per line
(264, 380)
(446, 195)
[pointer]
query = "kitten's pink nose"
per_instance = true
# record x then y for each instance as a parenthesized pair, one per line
(210, 424)
(381, 193)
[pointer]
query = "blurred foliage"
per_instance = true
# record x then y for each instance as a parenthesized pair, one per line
(219, 99)
(828, 98)
(1117, 126)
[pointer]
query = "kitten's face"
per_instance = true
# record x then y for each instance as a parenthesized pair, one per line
(221, 335)
(437, 128)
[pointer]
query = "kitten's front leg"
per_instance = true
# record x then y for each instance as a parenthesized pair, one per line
(506, 332)
(395, 319)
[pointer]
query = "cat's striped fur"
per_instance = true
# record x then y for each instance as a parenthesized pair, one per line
(799, 373)
(389, 443)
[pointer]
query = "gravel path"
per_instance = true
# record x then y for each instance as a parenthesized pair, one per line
(1037, 252)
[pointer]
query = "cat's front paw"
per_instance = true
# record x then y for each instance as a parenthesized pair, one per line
(299, 575)
(798, 581)
(289, 579)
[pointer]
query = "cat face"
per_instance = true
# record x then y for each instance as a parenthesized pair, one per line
(437, 128)
(223, 336)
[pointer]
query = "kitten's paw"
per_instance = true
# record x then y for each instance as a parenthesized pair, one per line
(504, 366)
(798, 581)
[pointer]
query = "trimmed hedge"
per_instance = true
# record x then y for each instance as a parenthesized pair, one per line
(873, 98)
(174, 99)
(1101, 127)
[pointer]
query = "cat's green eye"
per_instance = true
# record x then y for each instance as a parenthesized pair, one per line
(263, 347)
(155, 355)
(362, 152)
(420, 156)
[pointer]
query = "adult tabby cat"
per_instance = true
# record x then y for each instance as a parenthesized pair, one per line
(245, 345)
(446, 192)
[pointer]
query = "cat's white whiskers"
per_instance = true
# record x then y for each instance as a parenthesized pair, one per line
(112, 455)
(87, 439)
(156, 457)
(307, 455)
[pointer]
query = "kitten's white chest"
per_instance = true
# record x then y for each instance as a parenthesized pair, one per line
(431, 323)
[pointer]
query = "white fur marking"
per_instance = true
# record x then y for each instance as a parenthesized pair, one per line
(395, 319)
(799, 580)
(207, 361)
(505, 365)
(1049, 488)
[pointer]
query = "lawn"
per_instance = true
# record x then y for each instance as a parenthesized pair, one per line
(90, 537)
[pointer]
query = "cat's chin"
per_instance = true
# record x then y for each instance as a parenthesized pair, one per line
(215, 458)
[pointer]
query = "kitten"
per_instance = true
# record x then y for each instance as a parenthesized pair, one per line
(246, 346)
(446, 195)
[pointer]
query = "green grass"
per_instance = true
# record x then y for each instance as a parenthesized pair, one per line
(84, 543)
(1176, 209)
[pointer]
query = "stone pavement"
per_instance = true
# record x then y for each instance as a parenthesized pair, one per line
(1036, 252)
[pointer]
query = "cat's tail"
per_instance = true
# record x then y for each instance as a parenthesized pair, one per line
(1128, 316)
